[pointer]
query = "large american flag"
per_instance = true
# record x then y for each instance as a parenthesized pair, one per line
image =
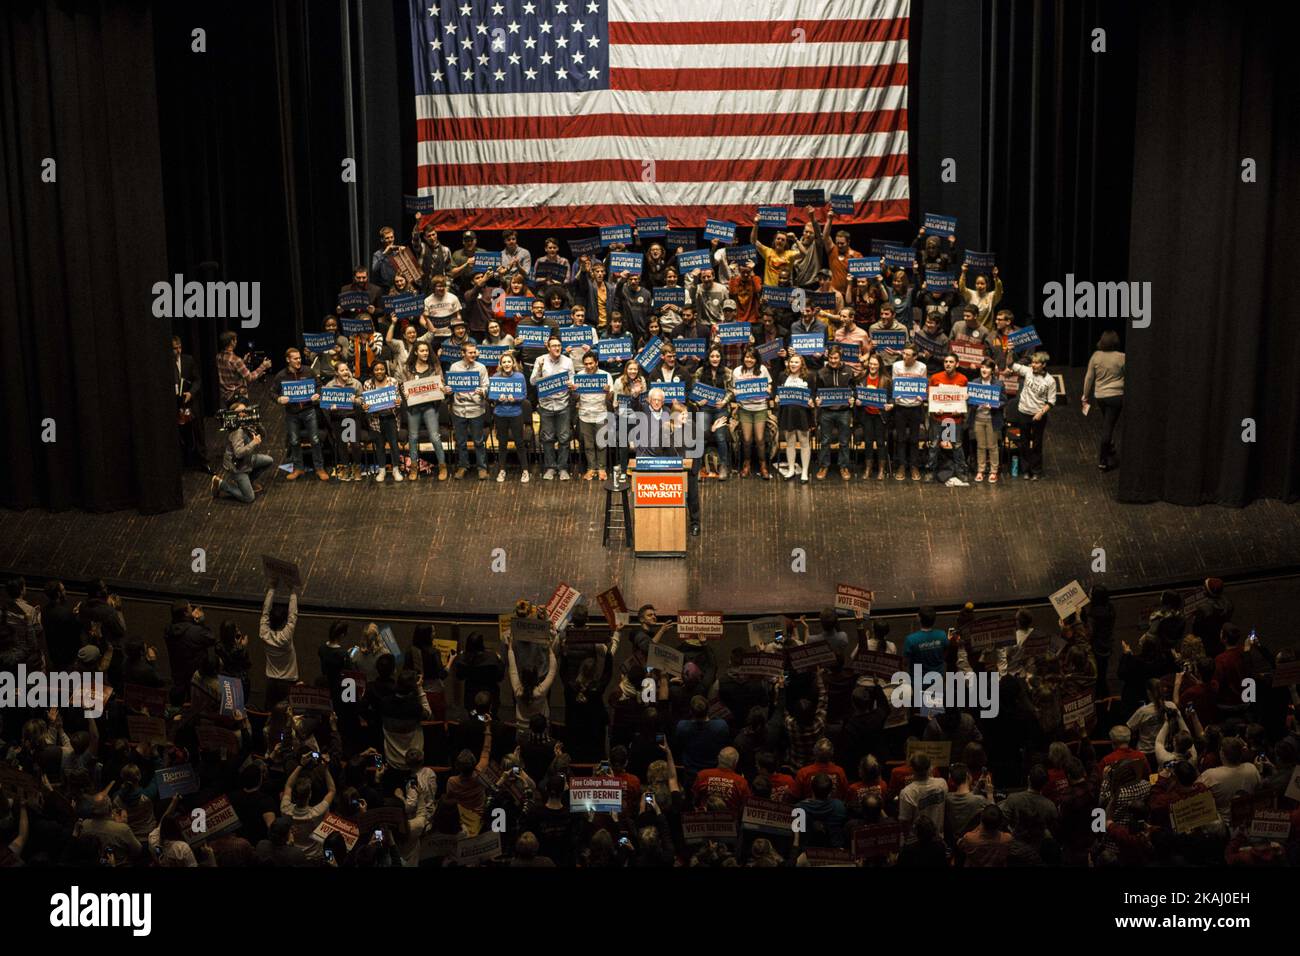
(560, 113)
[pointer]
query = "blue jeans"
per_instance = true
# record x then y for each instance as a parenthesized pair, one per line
(240, 486)
(469, 428)
(557, 432)
(837, 422)
(297, 426)
(428, 414)
(721, 437)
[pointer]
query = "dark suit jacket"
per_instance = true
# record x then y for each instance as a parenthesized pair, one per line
(188, 378)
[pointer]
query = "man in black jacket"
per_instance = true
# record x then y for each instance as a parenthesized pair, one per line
(188, 639)
(62, 629)
(834, 421)
(189, 404)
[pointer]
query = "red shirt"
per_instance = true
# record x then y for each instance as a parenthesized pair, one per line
(839, 780)
(631, 785)
(783, 788)
(1229, 673)
(716, 782)
(1118, 755)
(859, 792)
(943, 378)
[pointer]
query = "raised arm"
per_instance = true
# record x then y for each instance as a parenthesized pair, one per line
(515, 685)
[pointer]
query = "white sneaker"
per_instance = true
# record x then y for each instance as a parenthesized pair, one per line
(955, 482)
(523, 479)
(564, 475)
(397, 475)
(548, 475)
(379, 475)
(501, 475)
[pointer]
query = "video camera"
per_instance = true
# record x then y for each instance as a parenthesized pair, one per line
(249, 418)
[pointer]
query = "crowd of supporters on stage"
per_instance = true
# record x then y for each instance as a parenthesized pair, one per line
(801, 341)
(711, 760)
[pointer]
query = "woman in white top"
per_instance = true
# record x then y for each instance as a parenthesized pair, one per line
(1104, 385)
(796, 420)
(276, 631)
(531, 694)
(752, 413)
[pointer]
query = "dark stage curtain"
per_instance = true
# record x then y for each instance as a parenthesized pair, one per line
(82, 346)
(1216, 86)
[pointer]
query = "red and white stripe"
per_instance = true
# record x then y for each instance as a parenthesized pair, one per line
(705, 119)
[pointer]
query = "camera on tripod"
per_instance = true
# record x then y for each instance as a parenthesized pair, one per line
(248, 418)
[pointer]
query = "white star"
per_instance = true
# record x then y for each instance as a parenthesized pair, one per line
(512, 27)
(546, 59)
(561, 42)
(544, 27)
(593, 7)
(450, 27)
(433, 44)
(433, 11)
(561, 74)
(561, 7)
(529, 43)
(466, 10)
(499, 44)
(593, 41)
(593, 73)
(497, 9)
(453, 60)
(467, 43)
(482, 59)
(467, 74)
(482, 30)
(514, 58)
(437, 76)
(577, 26)
(531, 74)
(529, 8)
(577, 58)
(498, 76)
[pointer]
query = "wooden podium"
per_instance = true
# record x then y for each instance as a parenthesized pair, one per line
(659, 506)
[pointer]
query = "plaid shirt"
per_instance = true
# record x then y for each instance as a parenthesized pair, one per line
(233, 376)
(804, 738)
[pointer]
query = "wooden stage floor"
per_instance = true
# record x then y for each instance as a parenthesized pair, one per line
(428, 547)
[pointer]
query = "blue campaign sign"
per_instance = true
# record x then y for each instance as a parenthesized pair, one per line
(739, 254)
(940, 225)
(553, 385)
(822, 300)
(490, 355)
(808, 343)
(849, 351)
(924, 343)
(778, 216)
(878, 247)
(590, 384)
(500, 387)
(680, 239)
(651, 227)
(729, 333)
(318, 341)
(557, 318)
(719, 229)
(648, 358)
(612, 234)
(778, 295)
(448, 358)
(485, 261)
(899, 257)
(695, 259)
(380, 399)
(464, 382)
(357, 325)
(518, 305)
(751, 389)
(420, 204)
(589, 246)
(614, 350)
(336, 398)
(625, 262)
(986, 395)
(298, 390)
(837, 397)
(673, 391)
(232, 696)
(669, 295)
(403, 304)
(354, 301)
(1025, 338)
(891, 340)
(690, 348)
(864, 267)
(793, 395)
(907, 387)
(980, 261)
(707, 394)
(935, 279)
(532, 336)
(769, 351)
(810, 197)
(176, 781)
(872, 397)
(656, 463)
(842, 204)
(555, 271)
(573, 336)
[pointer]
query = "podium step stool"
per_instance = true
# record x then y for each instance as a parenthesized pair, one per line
(618, 511)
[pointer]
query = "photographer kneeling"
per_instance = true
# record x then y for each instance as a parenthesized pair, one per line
(241, 466)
